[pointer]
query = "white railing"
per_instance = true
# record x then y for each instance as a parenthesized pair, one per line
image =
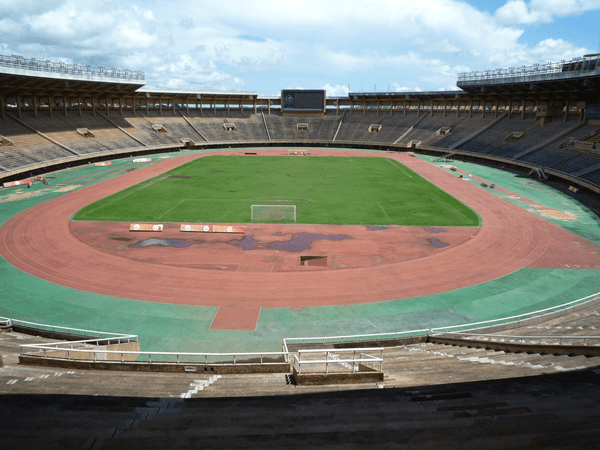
(354, 337)
(100, 338)
(515, 319)
(508, 338)
(19, 62)
(431, 331)
(321, 363)
(70, 352)
(69, 330)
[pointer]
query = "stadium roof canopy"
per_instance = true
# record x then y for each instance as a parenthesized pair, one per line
(30, 77)
(575, 79)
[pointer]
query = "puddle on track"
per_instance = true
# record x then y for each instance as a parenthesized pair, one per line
(299, 242)
(177, 243)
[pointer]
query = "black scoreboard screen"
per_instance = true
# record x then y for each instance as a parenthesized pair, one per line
(302, 101)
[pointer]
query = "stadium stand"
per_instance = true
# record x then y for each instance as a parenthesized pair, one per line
(458, 387)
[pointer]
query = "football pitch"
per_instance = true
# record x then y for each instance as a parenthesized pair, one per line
(325, 190)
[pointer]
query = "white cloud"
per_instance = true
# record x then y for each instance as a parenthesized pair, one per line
(265, 45)
(519, 12)
(336, 91)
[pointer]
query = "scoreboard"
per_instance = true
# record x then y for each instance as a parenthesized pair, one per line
(302, 101)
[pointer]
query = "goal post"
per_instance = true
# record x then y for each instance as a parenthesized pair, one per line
(273, 213)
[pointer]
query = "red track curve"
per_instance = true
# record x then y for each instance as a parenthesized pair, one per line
(39, 241)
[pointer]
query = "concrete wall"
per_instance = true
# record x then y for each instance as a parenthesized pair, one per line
(156, 367)
(364, 375)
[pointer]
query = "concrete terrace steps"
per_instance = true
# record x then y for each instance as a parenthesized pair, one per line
(530, 412)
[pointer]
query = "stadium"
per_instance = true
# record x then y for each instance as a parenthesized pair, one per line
(167, 250)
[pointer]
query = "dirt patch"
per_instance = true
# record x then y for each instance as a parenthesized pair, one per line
(556, 214)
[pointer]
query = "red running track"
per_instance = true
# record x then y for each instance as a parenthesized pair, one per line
(40, 241)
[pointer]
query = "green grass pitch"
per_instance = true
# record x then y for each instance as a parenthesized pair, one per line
(325, 190)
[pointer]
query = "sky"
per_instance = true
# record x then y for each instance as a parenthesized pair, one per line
(267, 45)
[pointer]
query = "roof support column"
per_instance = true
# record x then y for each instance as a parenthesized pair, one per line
(106, 101)
(65, 106)
(471, 109)
(405, 107)
(418, 108)
(174, 106)
(495, 106)
(228, 114)
(255, 107)
(35, 107)
(523, 110)
(133, 105)
(364, 108)
(3, 106)
(215, 107)
(269, 107)
(121, 106)
(79, 105)
(457, 108)
(242, 107)
(187, 107)
(445, 106)
(431, 108)
(482, 110)
(566, 109)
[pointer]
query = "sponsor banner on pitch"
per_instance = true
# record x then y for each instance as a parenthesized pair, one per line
(187, 227)
(27, 182)
(101, 164)
(145, 227)
(142, 160)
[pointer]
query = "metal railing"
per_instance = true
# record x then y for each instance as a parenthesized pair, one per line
(68, 349)
(19, 62)
(432, 331)
(558, 339)
(97, 335)
(354, 337)
(70, 352)
(348, 364)
(573, 66)
(515, 319)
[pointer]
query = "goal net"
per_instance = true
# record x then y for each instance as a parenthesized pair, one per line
(273, 213)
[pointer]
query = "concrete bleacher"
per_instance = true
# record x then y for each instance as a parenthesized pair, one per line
(463, 128)
(355, 127)
(534, 136)
(493, 139)
(59, 139)
(432, 396)
(248, 128)
(576, 164)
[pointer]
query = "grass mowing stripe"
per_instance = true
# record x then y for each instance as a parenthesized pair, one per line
(325, 190)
